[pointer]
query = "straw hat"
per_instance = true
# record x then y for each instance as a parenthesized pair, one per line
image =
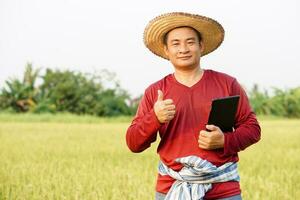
(211, 31)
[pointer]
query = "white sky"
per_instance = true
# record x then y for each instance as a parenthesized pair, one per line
(262, 39)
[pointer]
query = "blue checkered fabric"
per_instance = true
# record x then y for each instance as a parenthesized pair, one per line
(196, 177)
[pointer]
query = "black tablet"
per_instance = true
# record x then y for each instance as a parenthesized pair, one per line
(222, 113)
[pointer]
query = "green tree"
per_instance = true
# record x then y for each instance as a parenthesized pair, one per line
(259, 101)
(286, 103)
(81, 93)
(20, 95)
(69, 91)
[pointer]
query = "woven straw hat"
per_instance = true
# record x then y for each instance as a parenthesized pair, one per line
(211, 31)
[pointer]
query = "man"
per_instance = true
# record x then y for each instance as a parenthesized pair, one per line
(197, 161)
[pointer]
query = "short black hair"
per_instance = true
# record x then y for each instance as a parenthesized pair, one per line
(165, 38)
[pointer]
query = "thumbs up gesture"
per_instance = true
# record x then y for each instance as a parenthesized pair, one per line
(164, 109)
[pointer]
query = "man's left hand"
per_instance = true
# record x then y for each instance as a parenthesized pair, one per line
(212, 139)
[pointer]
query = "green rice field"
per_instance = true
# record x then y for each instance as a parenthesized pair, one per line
(67, 157)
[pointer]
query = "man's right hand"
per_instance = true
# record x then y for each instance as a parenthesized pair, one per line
(164, 109)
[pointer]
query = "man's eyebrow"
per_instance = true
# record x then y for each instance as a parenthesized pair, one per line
(191, 38)
(177, 40)
(174, 40)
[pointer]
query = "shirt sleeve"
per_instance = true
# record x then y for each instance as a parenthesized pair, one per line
(247, 130)
(143, 129)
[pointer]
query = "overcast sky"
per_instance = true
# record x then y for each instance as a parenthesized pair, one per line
(262, 39)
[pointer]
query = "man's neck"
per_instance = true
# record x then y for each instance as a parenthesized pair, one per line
(188, 77)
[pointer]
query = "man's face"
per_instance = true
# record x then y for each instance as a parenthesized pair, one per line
(183, 48)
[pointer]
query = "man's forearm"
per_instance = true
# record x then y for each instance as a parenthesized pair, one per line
(142, 132)
(245, 135)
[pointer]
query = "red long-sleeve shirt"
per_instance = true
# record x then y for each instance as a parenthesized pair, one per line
(179, 137)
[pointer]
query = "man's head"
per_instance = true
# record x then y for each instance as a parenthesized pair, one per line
(158, 31)
(183, 47)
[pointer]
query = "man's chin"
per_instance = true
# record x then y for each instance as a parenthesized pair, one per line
(185, 64)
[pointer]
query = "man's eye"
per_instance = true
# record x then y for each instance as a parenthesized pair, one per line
(191, 42)
(175, 44)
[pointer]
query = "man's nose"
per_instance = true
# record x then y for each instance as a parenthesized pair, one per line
(183, 48)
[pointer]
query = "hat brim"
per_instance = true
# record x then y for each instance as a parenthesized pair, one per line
(212, 33)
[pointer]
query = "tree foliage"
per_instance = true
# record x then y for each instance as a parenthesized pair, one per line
(65, 91)
(285, 103)
(20, 95)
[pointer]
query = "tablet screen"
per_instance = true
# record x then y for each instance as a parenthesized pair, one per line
(222, 113)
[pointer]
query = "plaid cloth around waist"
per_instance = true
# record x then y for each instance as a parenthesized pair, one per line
(196, 177)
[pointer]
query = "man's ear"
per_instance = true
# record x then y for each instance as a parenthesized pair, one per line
(166, 50)
(201, 47)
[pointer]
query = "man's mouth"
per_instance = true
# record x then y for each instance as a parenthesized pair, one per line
(184, 57)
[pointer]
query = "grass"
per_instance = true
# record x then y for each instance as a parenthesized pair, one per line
(270, 169)
(74, 158)
(62, 118)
